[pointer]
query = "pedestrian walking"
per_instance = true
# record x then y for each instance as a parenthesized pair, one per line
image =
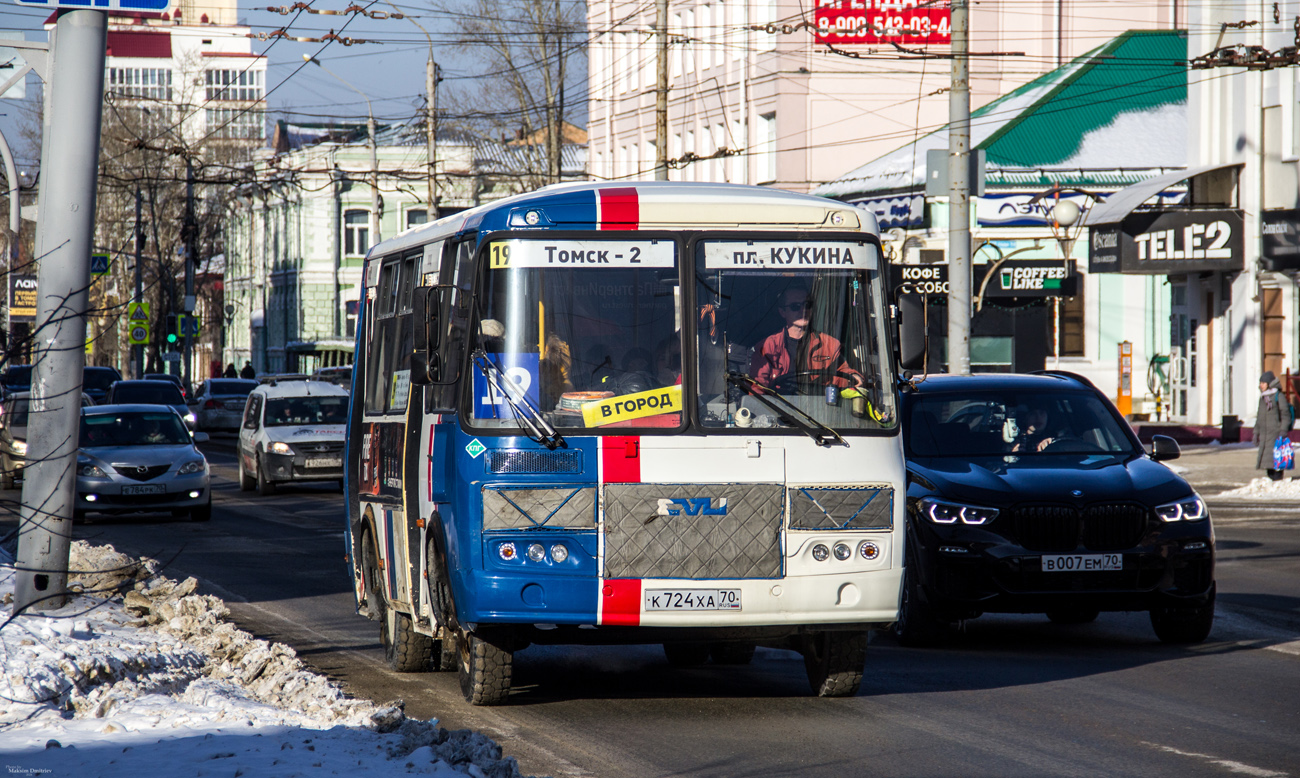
(248, 371)
(1273, 420)
(230, 371)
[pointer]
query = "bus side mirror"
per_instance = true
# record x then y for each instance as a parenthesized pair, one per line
(911, 331)
(426, 364)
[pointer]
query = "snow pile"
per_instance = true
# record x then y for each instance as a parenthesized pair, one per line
(1266, 489)
(159, 683)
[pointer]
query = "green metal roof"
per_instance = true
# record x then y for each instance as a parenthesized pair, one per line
(1137, 72)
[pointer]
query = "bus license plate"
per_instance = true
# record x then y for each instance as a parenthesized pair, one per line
(145, 489)
(324, 462)
(692, 599)
(1082, 563)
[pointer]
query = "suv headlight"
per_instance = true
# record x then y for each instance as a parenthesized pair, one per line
(1188, 509)
(944, 512)
(195, 466)
(90, 469)
(279, 448)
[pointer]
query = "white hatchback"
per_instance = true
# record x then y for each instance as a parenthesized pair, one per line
(292, 430)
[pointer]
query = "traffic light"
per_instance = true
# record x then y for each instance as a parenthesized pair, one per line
(172, 333)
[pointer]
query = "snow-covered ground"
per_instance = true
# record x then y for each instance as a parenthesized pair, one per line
(1265, 489)
(159, 683)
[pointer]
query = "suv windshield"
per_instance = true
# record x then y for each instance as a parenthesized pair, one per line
(791, 322)
(992, 423)
(587, 331)
(296, 411)
(133, 429)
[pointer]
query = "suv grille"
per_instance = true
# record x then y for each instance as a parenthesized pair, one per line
(1061, 528)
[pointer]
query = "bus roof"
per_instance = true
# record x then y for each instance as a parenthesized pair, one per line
(645, 205)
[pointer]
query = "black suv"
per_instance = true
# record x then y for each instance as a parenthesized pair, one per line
(1031, 494)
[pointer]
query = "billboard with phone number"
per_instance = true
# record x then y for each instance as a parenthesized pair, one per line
(905, 22)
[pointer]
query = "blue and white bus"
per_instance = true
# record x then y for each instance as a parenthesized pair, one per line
(656, 413)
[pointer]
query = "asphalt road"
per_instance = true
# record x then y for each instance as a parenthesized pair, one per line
(1009, 696)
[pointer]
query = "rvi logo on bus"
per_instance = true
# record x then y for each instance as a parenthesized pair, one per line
(693, 506)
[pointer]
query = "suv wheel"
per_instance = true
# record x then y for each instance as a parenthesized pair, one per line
(265, 486)
(246, 481)
(1184, 625)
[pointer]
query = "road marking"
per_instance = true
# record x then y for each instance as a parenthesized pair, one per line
(1234, 766)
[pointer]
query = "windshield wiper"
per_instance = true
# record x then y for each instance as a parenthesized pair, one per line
(542, 432)
(820, 433)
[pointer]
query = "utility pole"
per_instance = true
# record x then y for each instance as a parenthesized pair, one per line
(15, 233)
(138, 355)
(661, 90)
(431, 130)
(959, 259)
(191, 253)
(70, 164)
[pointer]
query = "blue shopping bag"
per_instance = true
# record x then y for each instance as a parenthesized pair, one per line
(1283, 454)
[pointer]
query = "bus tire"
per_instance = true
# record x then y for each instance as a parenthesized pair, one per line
(834, 662)
(265, 486)
(686, 654)
(370, 577)
(485, 670)
(444, 656)
(405, 650)
(732, 653)
(246, 481)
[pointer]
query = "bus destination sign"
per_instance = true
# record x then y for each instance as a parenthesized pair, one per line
(579, 254)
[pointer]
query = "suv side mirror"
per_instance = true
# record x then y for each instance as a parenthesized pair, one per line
(1164, 448)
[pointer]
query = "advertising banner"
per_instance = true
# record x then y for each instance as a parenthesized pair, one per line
(22, 299)
(1165, 242)
(905, 22)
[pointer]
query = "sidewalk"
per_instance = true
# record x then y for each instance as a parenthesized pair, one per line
(1215, 469)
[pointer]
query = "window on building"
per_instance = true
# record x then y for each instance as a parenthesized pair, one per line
(416, 216)
(676, 29)
(244, 85)
(356, 232)
(152, 83)
(706, 37)
(236, 123)
(765, 13)
(766, 148)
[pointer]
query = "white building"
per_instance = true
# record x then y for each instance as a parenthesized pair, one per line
(758, 107)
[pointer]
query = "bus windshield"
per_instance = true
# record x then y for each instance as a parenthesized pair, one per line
(791, 334)
(586, 331)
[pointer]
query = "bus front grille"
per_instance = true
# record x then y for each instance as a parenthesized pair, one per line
(693, 531)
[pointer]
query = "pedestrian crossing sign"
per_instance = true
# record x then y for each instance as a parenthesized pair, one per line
(99, 264)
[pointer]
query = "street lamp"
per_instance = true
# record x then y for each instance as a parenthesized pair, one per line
(374, 154)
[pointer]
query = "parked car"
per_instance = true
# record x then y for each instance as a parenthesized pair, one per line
(292, 431)
(96, 380)
(13, 435)
(140, 458)
(219, 403)
(175, 379)
(150, 393)
(16, 378)
(341, 375)
(1031, 494)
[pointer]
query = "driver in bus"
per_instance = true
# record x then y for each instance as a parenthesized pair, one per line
(797, 351)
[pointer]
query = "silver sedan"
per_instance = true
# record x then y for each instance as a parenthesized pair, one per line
(140, 458)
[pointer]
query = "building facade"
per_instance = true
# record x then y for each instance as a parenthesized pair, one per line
(757, 96)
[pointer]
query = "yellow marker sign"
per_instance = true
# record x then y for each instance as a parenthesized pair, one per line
(667, 399)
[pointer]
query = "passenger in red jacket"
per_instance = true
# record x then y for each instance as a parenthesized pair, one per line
(817, 356)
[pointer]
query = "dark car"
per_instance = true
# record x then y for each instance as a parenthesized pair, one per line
(16, 378)
(96, 380)
(150, 393)
(1031, 494)
(175, 379)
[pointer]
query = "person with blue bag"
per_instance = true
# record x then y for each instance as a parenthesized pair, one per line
(1273, 422)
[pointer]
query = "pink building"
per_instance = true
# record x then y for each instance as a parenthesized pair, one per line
(756, 98)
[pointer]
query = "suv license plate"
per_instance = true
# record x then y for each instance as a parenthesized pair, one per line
(145, 489)
(1082, 563)
(324, 462)
(692, 599)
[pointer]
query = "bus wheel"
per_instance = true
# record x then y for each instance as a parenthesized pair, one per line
(834, 662)
(485, 670)
(686, 654)
(406, 650)
(370, 577)
(444, 657)
(741, 653)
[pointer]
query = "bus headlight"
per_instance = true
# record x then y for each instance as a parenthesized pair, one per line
(507, 551)
(559, 553)
(842, 552)
(536, 552)
(820, 552)
(868, 550)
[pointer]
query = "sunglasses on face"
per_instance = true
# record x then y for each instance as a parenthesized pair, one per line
(806, 305)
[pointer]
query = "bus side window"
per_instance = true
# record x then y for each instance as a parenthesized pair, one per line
(457, 269)
(380, 345)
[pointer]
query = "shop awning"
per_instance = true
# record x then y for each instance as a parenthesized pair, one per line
(1130, 198)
